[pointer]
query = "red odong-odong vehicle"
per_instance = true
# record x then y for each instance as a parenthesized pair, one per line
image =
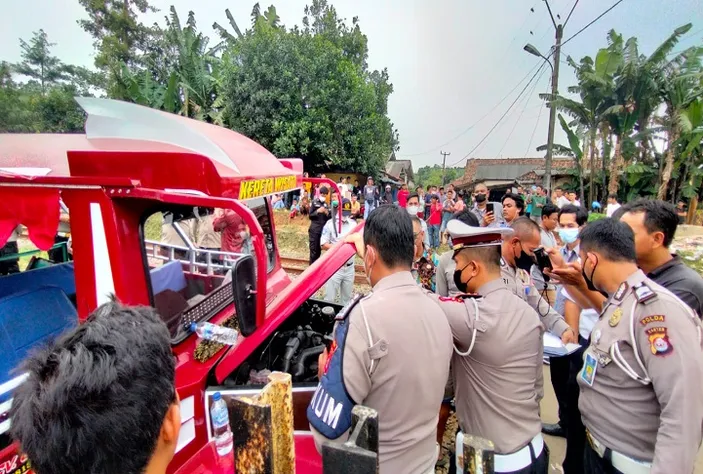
(136, 170)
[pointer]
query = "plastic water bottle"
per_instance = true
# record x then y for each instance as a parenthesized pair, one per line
(220, 425)
(213, 332)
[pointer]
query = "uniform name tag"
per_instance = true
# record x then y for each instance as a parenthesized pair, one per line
(588, 373)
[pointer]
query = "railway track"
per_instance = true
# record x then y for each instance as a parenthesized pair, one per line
(296, 266)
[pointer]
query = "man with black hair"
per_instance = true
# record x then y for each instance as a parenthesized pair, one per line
(613, 204)
(485, 217)
(654, 234)
(445, 285)
(548, 221)
(513, 207)
(392, 343)
(371, 196)
(517, 260)
(497, 359)
(563, 370)
(101, 398)
(414, 209)
(642, 376)
(562, 200)
(341, 284)
(319, 214)
(539, 201)
(654, 223)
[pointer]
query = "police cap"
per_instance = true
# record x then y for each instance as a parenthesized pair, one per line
(346, 207)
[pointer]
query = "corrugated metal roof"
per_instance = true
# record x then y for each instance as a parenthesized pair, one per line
(395, 167)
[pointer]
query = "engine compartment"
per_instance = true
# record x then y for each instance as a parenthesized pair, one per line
(293, 348)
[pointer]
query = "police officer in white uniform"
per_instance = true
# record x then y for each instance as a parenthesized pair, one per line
(516, 263)
(642, 379)
(497, 360)
(391, 352)
(341, 285)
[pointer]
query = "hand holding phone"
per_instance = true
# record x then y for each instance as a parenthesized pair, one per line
(543, 262)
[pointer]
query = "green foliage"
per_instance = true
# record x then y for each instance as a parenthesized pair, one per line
(627, 101)
(594, 216)
(303, 91)
(45, 102)
(119, 36)
(307, 92)
(38, 63)
(432, 175)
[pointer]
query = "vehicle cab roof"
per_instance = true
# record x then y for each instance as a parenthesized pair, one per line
(151, 148)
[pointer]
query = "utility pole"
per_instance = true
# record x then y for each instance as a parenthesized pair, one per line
(556, 51)
(547, 180)
(444, 163)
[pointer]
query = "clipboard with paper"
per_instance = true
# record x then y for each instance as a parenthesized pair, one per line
(553, 347)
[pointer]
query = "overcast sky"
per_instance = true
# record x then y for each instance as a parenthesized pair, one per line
(450, 61)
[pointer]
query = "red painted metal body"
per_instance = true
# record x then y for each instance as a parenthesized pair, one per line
(109, 184)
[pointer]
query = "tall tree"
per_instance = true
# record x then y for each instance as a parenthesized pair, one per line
(38, 63)
(119, 36)
(622, 116)
(299, 93)
(679, 86)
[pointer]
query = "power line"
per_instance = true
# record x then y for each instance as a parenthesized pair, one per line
(543, 64)
(532, 137)
(595, 20)
(572, 11)
(527, 101)
(478, 121)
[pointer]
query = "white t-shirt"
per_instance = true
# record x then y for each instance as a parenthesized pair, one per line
(344, 189)
(611, 208)
(562, 201)
(587, 320)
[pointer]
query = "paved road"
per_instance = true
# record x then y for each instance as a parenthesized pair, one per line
(557, 445)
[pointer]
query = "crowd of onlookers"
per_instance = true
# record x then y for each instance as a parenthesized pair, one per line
(626, 259)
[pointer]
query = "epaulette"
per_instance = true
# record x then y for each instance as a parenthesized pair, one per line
(344, 312)
(644, 294)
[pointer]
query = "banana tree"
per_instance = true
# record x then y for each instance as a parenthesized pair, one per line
(576, 152)
(226, 35)
(646, 88)
(691, 142)
(679, 87)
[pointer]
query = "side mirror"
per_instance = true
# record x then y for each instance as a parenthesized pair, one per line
(244, 292)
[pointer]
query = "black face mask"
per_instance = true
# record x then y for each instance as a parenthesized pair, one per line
(480, 197)
(460, 285)
(589, 281)
(524, 261)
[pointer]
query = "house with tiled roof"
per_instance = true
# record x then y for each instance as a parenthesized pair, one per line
(500, 174)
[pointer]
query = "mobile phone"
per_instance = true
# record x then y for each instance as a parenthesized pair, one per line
(489, 207)
(543, 261)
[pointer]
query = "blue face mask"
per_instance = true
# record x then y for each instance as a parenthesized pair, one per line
(568, 236)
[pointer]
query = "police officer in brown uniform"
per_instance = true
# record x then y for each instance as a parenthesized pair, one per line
(497, 360)
(516, 264)
(445, 271)
(391, 352)
(642, 379)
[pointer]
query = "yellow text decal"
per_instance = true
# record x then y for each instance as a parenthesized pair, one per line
(261, 187)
